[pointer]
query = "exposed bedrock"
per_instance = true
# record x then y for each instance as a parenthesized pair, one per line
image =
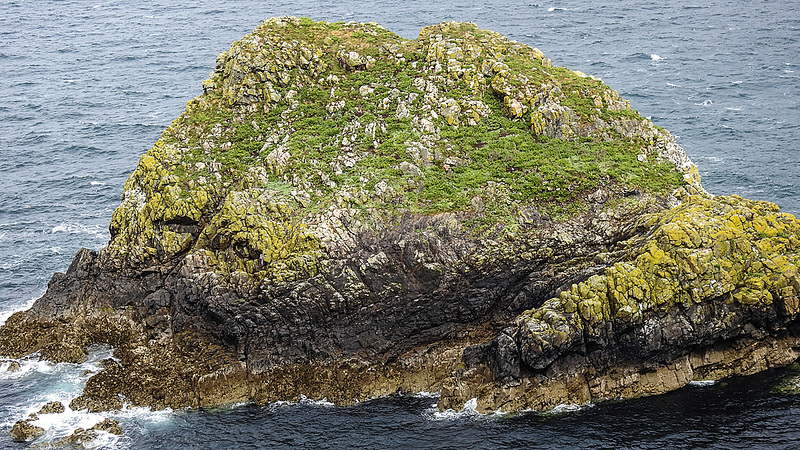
(712, 292)
(346, 214)
(396, 311)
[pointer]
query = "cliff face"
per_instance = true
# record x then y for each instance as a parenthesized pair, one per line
(345, 214)
(709, 291)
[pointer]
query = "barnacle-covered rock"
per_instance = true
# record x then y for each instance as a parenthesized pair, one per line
(52, 408)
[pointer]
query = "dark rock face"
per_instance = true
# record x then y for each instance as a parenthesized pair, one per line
(418, 304)
(413, 290)
(713, 293)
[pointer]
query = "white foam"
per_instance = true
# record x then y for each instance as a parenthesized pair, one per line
(304, 401)
(97, 183)
(60, 425)
(28, 366)
(238, 405)
(147, 416)
(70, 373)
(561, 409)
(655, 57)
(705, 103)
(733, 109)
(567, 408)
(673, 85)
(425, 394)
(703, 383)
(469, 411)
(77, 228)
(307, 401)
(63, 382)
(106, 440)
(4, 315)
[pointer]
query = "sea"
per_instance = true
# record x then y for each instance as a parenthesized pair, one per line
(87, 86)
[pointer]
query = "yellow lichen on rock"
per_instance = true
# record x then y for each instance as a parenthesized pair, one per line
(155, 196)
(344, 204)
(703, 250)
(257, 234)
(355, 85)
(707, 291)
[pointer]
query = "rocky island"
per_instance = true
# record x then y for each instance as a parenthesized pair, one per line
(347, 214)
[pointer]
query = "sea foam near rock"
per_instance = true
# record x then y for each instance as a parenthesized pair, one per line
(703, 383)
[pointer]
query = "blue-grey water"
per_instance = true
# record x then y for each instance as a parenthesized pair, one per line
(87, 86)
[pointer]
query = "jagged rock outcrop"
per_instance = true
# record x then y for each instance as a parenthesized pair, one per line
(23, 431)
(13, 366)
(52, 408)
(80, 437)
(345, 214)
(710, 292)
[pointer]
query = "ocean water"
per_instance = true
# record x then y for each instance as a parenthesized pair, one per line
(87, 86)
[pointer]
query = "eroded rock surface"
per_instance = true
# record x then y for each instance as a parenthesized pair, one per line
(345, 214)
(711, 292)
(23, 431)
(80, 437)
(52, 408)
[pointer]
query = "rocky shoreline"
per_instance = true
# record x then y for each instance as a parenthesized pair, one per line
(345, 214)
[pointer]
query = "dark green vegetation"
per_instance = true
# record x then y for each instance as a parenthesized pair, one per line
(460, 119)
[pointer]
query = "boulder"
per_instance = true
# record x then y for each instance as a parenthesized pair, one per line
(109, 425)
(23, 431)
(52, 408)
(13, 366)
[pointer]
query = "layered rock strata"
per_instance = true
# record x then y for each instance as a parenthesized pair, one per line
(346, 214)
(710, 291)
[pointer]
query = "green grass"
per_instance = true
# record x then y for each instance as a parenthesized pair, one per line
(524, 169)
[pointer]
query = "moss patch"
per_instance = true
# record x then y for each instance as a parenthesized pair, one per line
(344, 115)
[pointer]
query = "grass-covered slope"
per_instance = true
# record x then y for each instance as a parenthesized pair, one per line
(301, 118)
